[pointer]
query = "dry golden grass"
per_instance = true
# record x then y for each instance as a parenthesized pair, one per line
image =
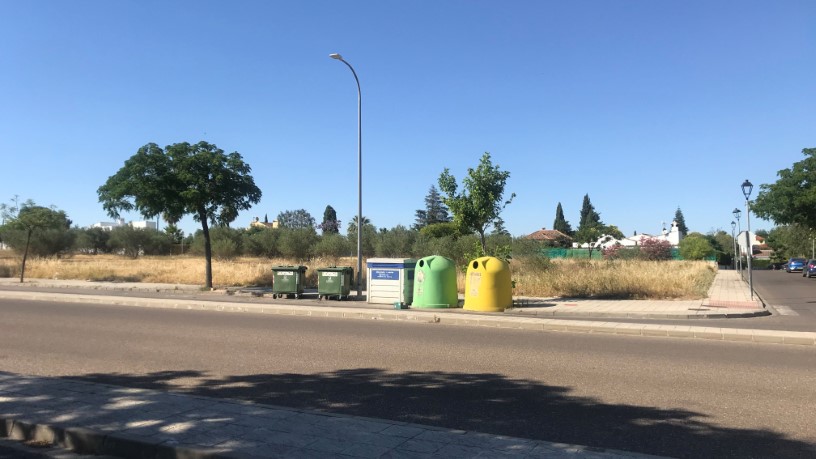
(631, 279)
(533, 277)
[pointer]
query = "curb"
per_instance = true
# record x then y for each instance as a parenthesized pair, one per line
(87, 441)
(435, 316)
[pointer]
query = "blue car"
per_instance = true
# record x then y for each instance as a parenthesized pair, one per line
(796, 265)
(810, 269)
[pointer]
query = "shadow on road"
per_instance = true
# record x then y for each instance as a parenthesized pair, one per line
(483, 402)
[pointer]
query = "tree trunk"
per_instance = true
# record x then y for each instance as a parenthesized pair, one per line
(25, 255)
(207, 250)
(483, 242)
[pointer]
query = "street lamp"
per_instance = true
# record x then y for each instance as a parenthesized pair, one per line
(734, 227)
(737, 214)
(359, 175)
(747, 187)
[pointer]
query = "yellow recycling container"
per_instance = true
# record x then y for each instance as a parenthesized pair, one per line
(487, 285)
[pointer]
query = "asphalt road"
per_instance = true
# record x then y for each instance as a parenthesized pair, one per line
(681, 398)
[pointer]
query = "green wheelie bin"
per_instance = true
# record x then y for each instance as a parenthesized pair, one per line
(287, 280)
(334, 281)
(435, 283)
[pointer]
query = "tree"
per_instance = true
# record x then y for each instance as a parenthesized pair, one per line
(655, 249)
(298, 243)
(330, 224)
(560, 223)
(396, 242)
(588, 215)
(435, 210)
(695, 246)
(296, 219)
(590, 228)
(482, 198)
(369, 235)
(93, 240)
(30, 222)
(791, 200)
(183, 179)
(681, 222)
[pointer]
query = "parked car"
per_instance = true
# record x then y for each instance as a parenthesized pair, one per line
(810, 269)
(796, 265)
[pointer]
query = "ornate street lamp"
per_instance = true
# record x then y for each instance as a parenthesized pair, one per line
(747, 187)
(359, 175)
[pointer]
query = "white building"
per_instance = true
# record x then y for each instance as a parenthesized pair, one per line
(121, 222)
(755, 240)
(673, 236)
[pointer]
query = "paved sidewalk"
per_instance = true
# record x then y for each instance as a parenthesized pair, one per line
(95, 418)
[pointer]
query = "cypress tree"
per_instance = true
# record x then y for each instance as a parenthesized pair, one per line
(681, 222)
(560, 223)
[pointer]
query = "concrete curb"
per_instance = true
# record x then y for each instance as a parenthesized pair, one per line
(87, 441)
(447, 317)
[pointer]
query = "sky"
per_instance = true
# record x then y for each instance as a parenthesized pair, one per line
(645, 106)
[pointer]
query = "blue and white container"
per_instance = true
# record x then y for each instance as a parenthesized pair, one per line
(390, 280)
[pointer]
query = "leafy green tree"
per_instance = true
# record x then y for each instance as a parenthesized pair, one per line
(368, 237)
(333, 246)
(695, 246)
(441, 230)
(261, 242)
(29, 225)
(296, 219)
(396, 242)
(226, 243)
(681, 222)
(93, 240)
(434, 212)
(560, 223)
(790, 241)
(133, 242)
(298, 243)
(589, 217)
(482, 198)
(791, 200)
(723, 243)
(198, 179)
(330, 224)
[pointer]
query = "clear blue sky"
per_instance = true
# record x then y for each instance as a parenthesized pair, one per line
(643, 105)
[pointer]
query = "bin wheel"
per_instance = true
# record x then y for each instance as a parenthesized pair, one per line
(274, 295)
(297, 296)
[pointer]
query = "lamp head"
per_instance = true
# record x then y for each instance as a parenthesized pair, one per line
(336, 56)
(733, 225)
(747, 187)
(737, 213)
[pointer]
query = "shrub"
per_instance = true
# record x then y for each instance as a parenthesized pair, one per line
(654, 249)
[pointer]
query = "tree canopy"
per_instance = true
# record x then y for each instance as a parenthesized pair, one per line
(681, 222)
(791, 200)
(560, 223)
(30, 224)
(330, 223)
(434, 212)
(296, 219)
(481, 200)
(183, 178)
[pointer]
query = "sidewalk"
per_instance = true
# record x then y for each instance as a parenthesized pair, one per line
(94, 418)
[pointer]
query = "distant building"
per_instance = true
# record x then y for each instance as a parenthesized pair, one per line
(257, 223)
(121, 222)
(554, 237)
(756, 243)
(672, 236)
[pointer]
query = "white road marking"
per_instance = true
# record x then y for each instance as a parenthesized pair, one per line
(785, 311)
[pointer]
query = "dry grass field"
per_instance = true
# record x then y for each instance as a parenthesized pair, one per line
(533, 277)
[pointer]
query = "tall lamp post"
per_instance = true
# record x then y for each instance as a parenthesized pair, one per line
(747, 187)
(359, 175)
(733, 238)
(737, 214)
